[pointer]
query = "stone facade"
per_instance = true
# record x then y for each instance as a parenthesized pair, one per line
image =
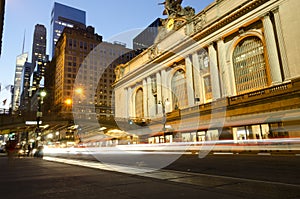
(230, 72)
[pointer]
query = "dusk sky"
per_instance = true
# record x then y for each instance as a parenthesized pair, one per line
(115, 20)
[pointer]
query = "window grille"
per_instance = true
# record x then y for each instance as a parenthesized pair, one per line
(205, 72)
(139, 106)
(249, 65)
(179, 90)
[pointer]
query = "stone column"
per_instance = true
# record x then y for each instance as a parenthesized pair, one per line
(124, 105)
(165, 89)
(227, 84)
(282, 49)
(189, 81)
(214, 72)
(151, 101)
(145, 98)
(272, 50)
(197, 77)
(159, 91)
(130, 102)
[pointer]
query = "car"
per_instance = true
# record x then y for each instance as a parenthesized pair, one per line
(22, 152)
(39, 153)
(2, 149)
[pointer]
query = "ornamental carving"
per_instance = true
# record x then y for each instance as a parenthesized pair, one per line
(196, 25)
(199, 22)
(153, 52)
(119, 71)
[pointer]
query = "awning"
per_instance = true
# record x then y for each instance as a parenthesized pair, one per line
(160, 133)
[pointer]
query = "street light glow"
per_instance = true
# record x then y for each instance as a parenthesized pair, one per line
(68, 101)
(79, 90)
(43, 93)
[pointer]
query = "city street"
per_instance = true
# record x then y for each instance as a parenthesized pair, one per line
(37, 178)
(46, 178)
(149, 100)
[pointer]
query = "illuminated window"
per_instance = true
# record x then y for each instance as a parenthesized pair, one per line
(249, 65)
(139, 105)
(207, 87)
(179, 90)
(203, 61)
(205, 72)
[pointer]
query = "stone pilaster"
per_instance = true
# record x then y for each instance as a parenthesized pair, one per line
(214, 72)
(282, 48)
(151, 100)
(159, 91)
(189, 81)
(272, 50)
(129, 102)
(197, 77)
(145, 98)
(227, 82)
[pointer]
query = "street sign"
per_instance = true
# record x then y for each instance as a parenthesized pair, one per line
(32, 122)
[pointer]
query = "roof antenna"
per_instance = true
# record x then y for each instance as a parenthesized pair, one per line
(23, 42)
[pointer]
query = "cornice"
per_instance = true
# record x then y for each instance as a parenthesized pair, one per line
(228, 18)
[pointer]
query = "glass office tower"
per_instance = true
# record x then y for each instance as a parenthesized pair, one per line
(21, 59)
(63, 16)
(38, 45)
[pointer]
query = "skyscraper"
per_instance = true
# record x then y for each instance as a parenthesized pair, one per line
(63, 16)
(38, 44)
(25, 87)
(2, 11)
(71, 50)
(21, 59)
(147, 37)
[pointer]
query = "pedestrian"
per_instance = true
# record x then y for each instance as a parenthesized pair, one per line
(28, 150)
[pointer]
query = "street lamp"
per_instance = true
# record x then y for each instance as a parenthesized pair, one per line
(39, 113)
(79, 90)
(68, 102)
(57, 135)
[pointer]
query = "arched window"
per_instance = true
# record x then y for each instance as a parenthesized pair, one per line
(139, 105)
(249, 65)
(179, 90)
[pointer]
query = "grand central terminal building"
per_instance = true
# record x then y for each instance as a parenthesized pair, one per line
(228, 72)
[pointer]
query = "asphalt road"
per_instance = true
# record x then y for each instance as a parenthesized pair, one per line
(280, 168)
(276, 168)
(37, 178)
(252, 175)
(188, 176)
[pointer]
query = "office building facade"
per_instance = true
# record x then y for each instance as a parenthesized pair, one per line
(37, 83)
(71, 51)
(38, 44)
(25, 88)
(146, 38)
(20, 62)
(84, 73)
(63, 16)
(2, 13)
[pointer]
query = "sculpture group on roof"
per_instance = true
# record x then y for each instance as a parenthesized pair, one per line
(174, 9)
